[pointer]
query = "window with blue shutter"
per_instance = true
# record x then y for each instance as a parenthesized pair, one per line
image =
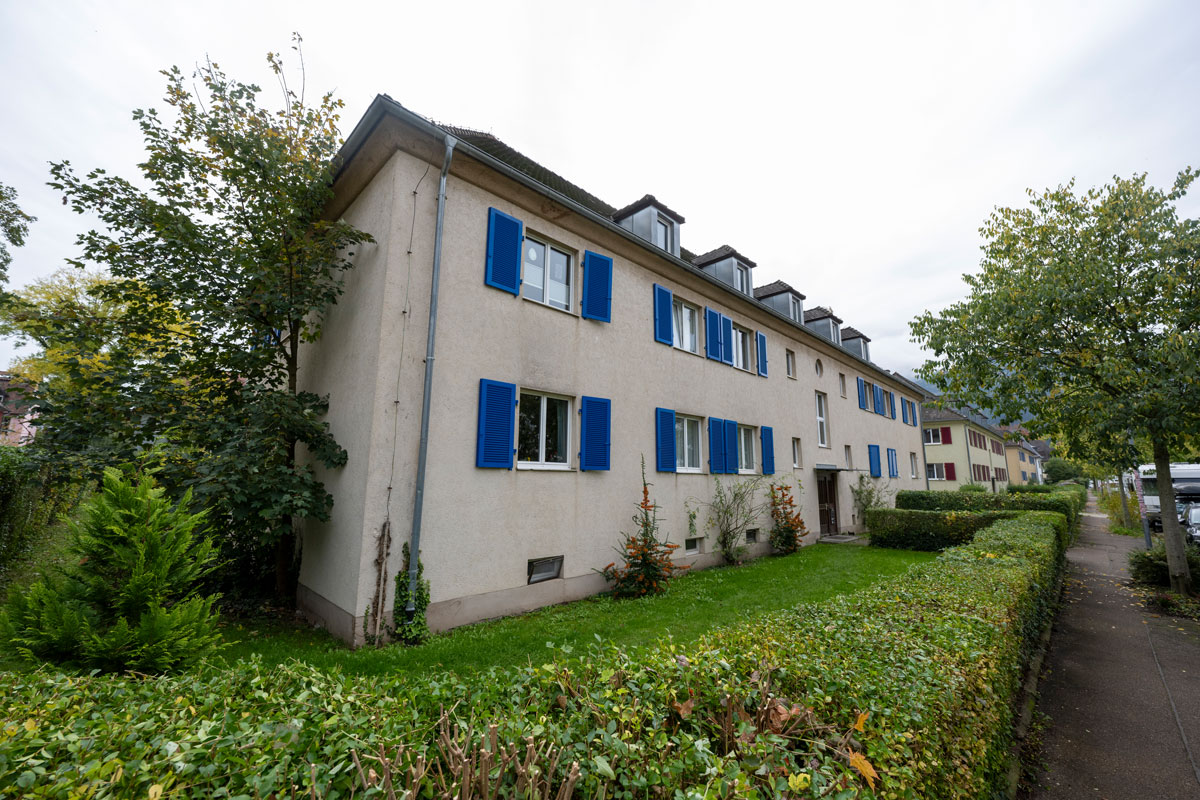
(597, 287)
(762, 354)
(893, 463)
(664, 437)
(880, 408)
(504, 238)
(862, 394)
(712, 334)
(892, 404)
(913, 407)
(664, 327)
(873, 455)
(497, 418)
(726, 340)
(595, 433)
(768, 450)
(731, 447)
(716, 445)
(904, 410)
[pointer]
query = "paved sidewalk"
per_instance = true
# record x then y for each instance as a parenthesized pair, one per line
(1121, 685)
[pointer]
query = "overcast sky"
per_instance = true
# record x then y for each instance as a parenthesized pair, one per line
(850, 149)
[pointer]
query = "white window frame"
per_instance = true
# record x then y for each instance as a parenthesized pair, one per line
(745, 440)
(541, 463)
(741, 278)
(822, 420)
(912, 462)
(743, 356)
(549, 246)
(661, 223)
(870, 395)
(930, 434)
(790, 360)
(849, 457)
(693, 545)
(794, 308)
(681, 452)
(677, 316)
(797, 453)
(842, 383)
(935, 471)
(819, 367)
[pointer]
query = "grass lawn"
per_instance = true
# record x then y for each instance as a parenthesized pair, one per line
(693, 605)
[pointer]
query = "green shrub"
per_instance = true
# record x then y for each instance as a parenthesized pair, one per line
(29, 502)
(646, 566)
(787, 525)
(404, 630)
(972, 487)
(905, 529)
(1030, 488)
(129, 601)
(1068, 502)
(1150, 566)
(912, 680)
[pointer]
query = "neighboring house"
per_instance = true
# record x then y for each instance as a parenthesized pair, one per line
(16, 413)
(573, 339)
(1024, 463)
(961, 448)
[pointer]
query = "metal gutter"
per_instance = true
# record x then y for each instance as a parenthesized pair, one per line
(414, 553)
(385, 105)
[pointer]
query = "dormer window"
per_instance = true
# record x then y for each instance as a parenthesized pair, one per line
(836, 330)
(794, 307)
(741, 276)
(662, 233)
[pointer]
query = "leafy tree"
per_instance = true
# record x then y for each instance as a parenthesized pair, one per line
(1087, 310)
(1059, 469)
(14, 227)
(231, 232)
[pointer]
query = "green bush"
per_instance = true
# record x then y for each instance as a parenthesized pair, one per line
(972, 487)
(1067, 502)
(905, 529)
(416, 630)
(129, 600)
(29, 502)
(909, 685)
(1030, 488)
(1150, 566)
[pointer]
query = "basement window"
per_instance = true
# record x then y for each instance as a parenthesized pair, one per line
(544, 569)
(691, 546)
(752, 536)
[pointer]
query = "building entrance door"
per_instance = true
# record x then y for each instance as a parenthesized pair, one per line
(827, 501)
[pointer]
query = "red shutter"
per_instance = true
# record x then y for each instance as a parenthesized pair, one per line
(950, 476)
(945, 436)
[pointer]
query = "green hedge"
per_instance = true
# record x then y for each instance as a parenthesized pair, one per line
(29, 502)
(1067, 502)
(1031, 488)
(916, 675)
(906, 529)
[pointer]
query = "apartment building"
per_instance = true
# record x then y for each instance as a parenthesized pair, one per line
(962, 448)
(1024, 462)
(572, 340)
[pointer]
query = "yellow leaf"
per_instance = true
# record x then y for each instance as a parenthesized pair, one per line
(30, 725)
(156, 791)
(800, 782)
(862, 718)
(860, 763)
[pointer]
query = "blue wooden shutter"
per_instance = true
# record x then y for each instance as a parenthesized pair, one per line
(873, 455)
(880, 407)
(731, 447)
(597, 287)
(904, 410)
(664, 326)
(893, 463)
(712, 334)
(497, 417)
(716, 445)
(505, 235)
(726, 339)
(768, 450)
(664, 437)
(595, 432)
(892, 404)
(762, 353)
(862, 394)
(915, 421)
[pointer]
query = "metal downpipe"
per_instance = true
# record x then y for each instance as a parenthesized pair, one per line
(423, 450)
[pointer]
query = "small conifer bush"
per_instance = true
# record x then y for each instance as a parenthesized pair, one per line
(647, 559)
(130, 600)
(788, 526)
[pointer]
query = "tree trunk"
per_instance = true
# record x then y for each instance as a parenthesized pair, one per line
(1126, 520)
(1181, 580)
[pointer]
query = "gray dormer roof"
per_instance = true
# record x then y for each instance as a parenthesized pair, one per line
(647, 200)
(820, 312)
(854, 333)
(774, 288)
(722, 252)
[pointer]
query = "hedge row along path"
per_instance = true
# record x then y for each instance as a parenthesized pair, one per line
(1121, 685)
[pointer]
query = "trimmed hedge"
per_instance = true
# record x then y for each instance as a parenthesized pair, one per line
(1065, 501)
(906, 529)
(908, 685)
(1031, 488)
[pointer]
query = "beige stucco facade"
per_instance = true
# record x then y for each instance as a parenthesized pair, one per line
(1022, 463)
(972, 463)
(481, 527)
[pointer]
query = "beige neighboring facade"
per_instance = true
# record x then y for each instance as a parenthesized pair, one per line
(961, 448)
(490, 534)
(1024, 463)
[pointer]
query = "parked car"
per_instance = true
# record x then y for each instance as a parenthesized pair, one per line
(1191, 523)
